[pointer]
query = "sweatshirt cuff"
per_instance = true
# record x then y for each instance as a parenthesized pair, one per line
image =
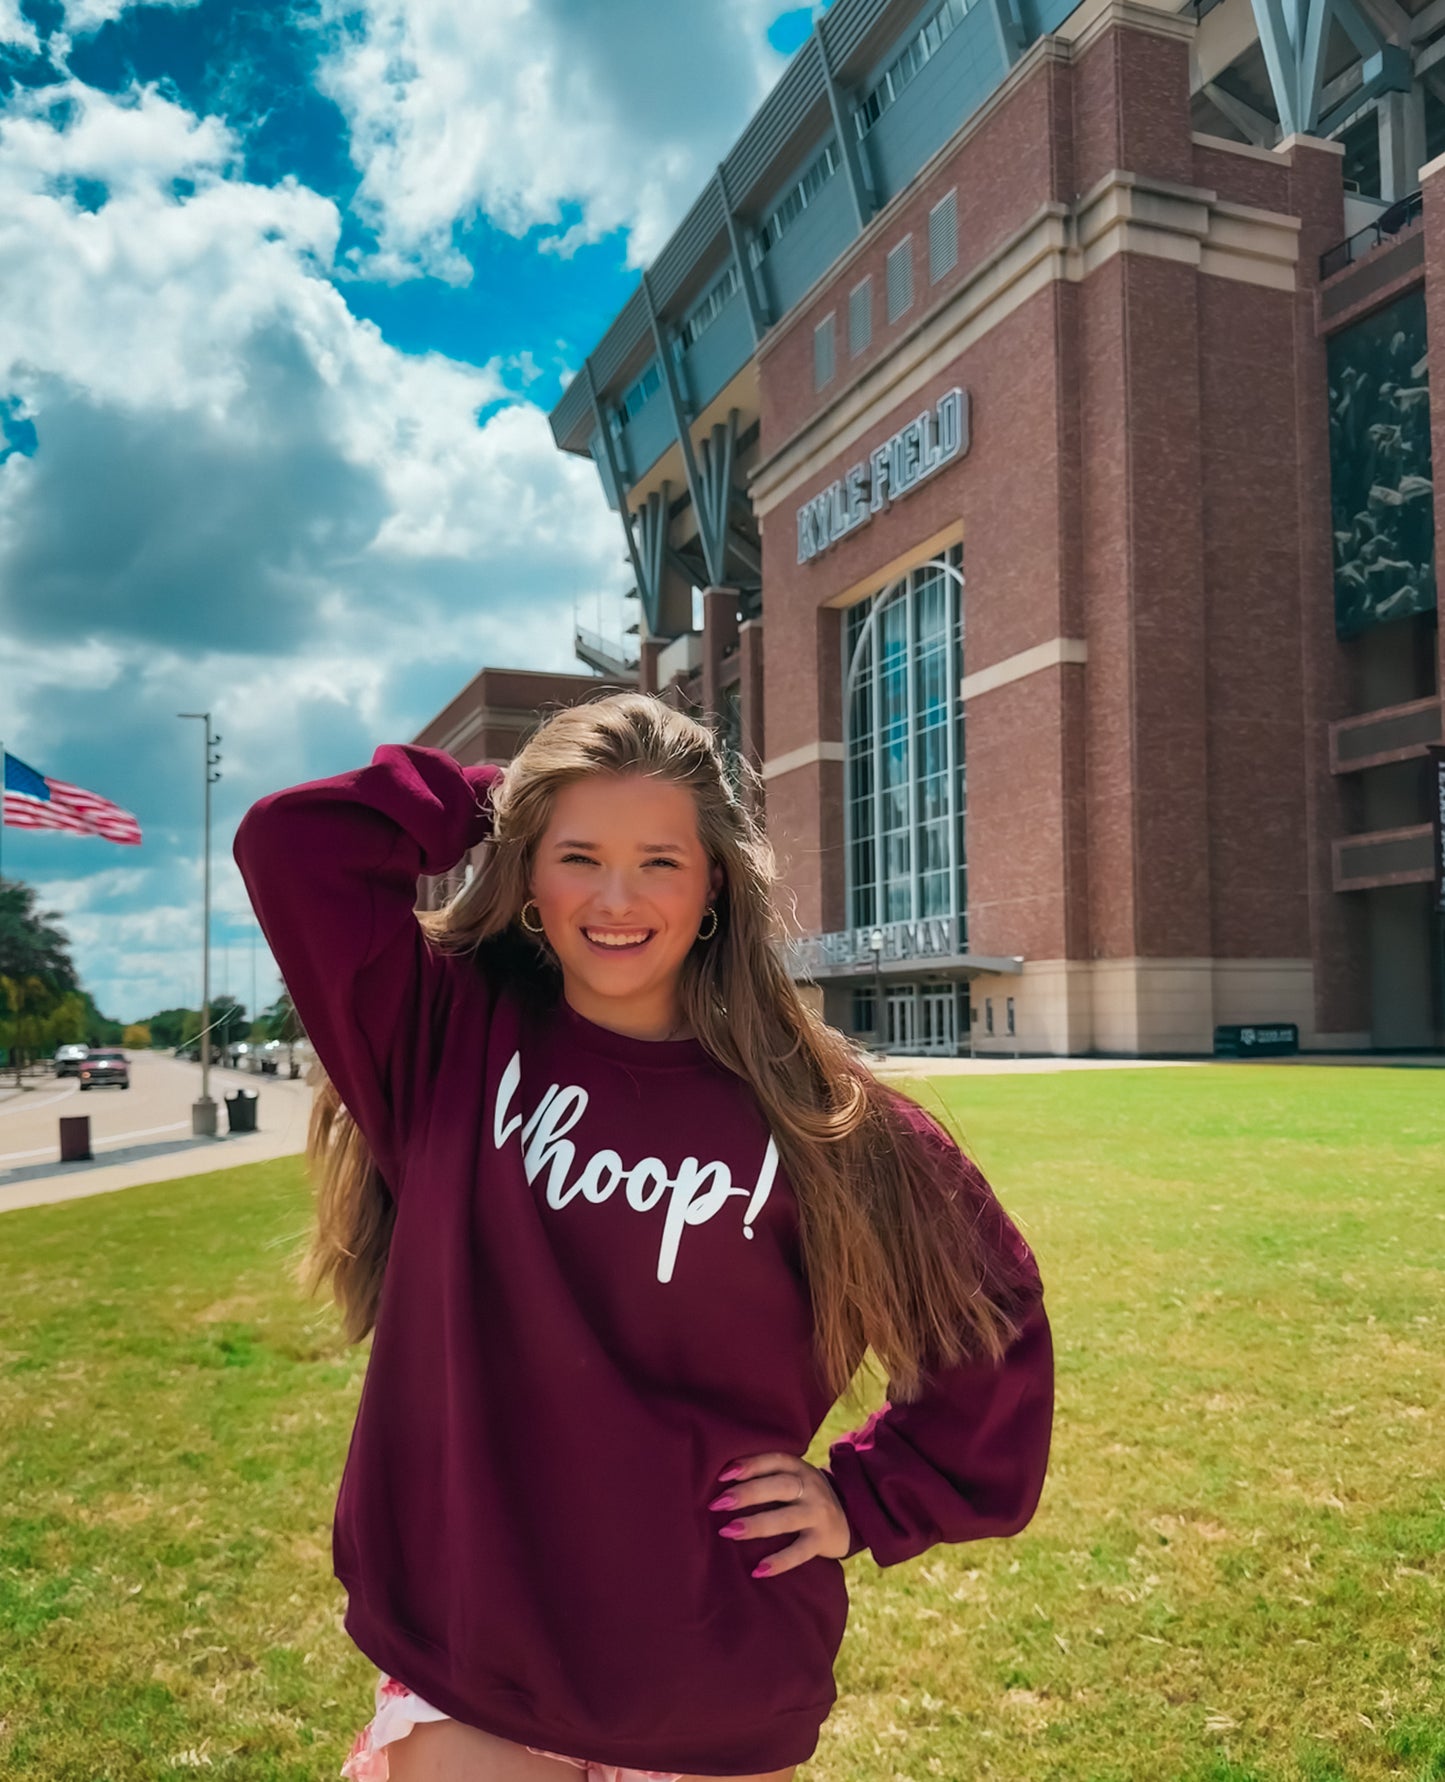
(856, 1543)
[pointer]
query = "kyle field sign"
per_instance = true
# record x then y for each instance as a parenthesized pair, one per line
(892, 469)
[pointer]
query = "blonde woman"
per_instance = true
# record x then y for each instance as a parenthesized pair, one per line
(623, 1216)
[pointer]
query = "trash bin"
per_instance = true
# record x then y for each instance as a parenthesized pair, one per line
(75, 1138)
(241, 1110)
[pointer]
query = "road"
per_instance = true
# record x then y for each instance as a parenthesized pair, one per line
(140, 1134)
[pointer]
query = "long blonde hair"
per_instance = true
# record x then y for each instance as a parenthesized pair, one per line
(895, 1261)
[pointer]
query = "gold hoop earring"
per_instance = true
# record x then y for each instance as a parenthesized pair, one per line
(541, 927)
(711, 911)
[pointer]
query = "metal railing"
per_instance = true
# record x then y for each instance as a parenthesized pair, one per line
(610, 655)
(1389, 222)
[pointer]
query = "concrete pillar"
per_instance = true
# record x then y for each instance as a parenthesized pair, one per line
(750, 690)
(1402, 142)
(651, 648)
(1338, 935)
(719, 635)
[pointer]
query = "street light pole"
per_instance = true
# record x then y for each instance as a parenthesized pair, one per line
(875, 946)
(203, 1111)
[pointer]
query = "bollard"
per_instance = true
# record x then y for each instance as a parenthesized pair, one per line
(75, 1138)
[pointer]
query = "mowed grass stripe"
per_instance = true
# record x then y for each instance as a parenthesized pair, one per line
(1235, 1573)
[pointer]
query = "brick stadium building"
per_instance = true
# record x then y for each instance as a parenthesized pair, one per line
(1023, 447)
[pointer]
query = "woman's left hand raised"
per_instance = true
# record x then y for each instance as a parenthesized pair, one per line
(810, 1510)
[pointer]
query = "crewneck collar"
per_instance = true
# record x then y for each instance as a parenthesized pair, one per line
(625, 1047)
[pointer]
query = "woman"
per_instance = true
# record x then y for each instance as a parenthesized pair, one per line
(625, 1216)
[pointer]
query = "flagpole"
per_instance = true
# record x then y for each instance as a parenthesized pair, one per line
(203, 1110)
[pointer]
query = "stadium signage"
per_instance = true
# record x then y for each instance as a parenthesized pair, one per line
(850, 949)
(891, 470)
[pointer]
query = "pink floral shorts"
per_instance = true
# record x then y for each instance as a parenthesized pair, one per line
(398, 1710)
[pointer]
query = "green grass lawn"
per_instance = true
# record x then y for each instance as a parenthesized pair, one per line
(1237, 1571)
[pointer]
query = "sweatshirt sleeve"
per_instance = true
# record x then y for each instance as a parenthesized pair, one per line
(967, 1458)
(331, 867)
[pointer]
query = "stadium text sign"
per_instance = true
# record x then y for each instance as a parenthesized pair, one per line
(892, 469)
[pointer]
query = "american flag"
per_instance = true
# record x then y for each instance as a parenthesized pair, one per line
(35, 801)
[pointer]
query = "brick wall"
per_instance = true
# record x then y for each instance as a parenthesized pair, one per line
(1147, 473)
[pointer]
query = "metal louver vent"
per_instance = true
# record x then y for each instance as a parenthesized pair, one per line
(943, 237)
(823, 353)
(900, 278)
(860, 317)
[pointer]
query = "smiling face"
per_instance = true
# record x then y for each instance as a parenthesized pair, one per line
(621, 882)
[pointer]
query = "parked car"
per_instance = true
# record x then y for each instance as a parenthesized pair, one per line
(278, 1056)
(105, 1067)
(68, 1059)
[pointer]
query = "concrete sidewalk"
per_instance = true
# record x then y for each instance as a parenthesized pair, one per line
(282, 1110)
(892, 1065)
(929, 1065)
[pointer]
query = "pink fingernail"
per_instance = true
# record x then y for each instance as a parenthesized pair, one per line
(762, 1571)
(728, 1473)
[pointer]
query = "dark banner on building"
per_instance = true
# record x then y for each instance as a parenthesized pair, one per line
(1437, 822)
(1382, 495)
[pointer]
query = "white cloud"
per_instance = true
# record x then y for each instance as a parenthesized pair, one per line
(528, 111)
(83, 16)
(242, 500)
(15, 27)
(210, 314)
(79, 18)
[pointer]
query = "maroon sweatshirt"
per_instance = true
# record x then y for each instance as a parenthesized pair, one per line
(595, 1301)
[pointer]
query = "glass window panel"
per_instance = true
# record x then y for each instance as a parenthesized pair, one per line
(909, 805)
(932, 687)
(895, 755)
(893, 626)
(932, 604)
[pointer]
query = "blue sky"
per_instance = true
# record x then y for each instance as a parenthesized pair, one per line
(287, 293)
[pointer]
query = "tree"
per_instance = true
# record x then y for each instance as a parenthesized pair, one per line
(29, 945)
(168, 1025)
(228, 1023)
(229, 1020)
(100, 1030)
(279, 1022)
(41, 1003)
